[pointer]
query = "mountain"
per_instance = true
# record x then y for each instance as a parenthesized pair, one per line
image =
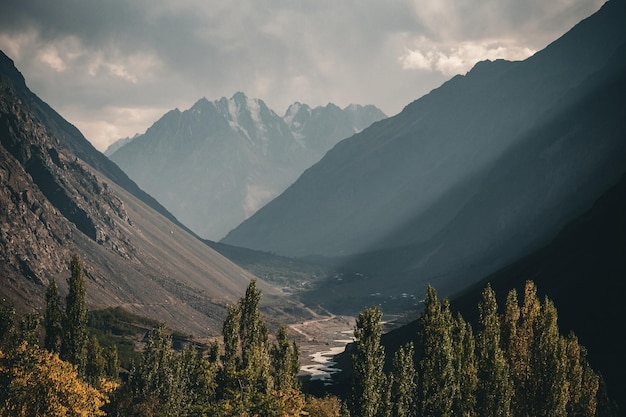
(60, 196)
(218, 162)
(582, 271)
(466, 179)
(110, 150)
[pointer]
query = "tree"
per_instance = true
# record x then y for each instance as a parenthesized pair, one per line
(437, 377)
(245, 379)
(253, 335)
(494, 390)
(404, 383)
(465, 368)
(7, 324)
(549, 364)
(582, 382)
(198, 378)
(53, 319)
(112, 363)
(328, 406)
(155, 386)
(526, 389)
(37, 383)
(95, 364)
(231, 362)
(27, 329)
(367, 364)
(515, 346)
(74, 342)
(285, 362)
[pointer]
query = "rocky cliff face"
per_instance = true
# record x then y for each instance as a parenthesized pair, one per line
(47, 195)
(59, 196)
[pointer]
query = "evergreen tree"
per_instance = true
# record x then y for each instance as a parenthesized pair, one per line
(437, 377)
(368, 364)
(404, 383)
(74, 342)
(53, 319)
(494, 390)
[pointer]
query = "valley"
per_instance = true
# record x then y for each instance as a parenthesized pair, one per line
(225, 222)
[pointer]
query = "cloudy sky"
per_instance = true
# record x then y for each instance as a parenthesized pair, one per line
(114, 67)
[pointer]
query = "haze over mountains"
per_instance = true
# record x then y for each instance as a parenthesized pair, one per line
(218, 162)
(467, 178)
(59, 196)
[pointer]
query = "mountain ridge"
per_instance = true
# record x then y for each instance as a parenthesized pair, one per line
(54, 204)
(218, 162)
(395, 193)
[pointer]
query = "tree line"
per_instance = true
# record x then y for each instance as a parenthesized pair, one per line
(516, 364)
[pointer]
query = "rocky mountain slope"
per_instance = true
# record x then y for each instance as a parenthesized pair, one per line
(218, 162)
(469, 177)
(59, 196)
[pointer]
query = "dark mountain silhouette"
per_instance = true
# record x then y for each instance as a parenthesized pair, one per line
(218, 162)
(582, 270)
(59, 196)
(465, 180)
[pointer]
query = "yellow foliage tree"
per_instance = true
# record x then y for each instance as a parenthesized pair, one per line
(328, 406)
(37, 383)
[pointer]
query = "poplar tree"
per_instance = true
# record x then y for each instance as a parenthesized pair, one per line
(95, 364)
(245, 377)
(197, 376)
(465, 367)
(437, 377)
(254, 342)
(155, 386)
(530, 311)
(549, 365)
(404, 383)
(7, 324)
(368, 364)
(494, 389)
(74, 341)
(53, 319)
(285, 363)
(230, 333)
(515, 347)
(112, 363)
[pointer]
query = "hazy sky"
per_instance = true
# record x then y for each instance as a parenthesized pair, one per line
(114, 67)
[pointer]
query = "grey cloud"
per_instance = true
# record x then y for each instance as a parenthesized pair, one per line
(153, 54)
